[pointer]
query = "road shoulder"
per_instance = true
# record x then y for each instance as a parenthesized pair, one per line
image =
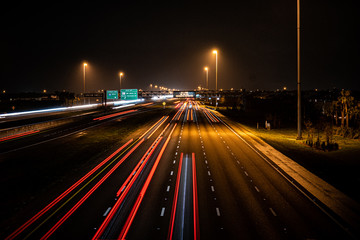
(342, 205)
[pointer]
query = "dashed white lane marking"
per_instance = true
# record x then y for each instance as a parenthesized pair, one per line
(256, 188)
(209, 173)
(273, 212)
(107, 211)
(171, 173)
(162, 212)
(174, 162)
(246, 173)
(218, 212)
(238, 162)
(168, 188)
(212, 188)
(206, 162)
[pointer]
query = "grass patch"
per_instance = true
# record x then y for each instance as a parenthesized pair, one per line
(340, 168)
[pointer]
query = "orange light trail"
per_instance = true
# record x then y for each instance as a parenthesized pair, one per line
(157, 127)
(151, 127)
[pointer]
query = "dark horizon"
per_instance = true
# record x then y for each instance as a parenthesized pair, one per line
(169, 45)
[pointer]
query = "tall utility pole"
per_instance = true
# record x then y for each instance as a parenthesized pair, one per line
(120, 74)
(216, 68)
(85, 64)
(299, 137)
(206, 77)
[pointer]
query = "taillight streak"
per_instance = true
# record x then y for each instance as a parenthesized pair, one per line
(125, 188)
(195, 200)
(64, 194)
(173, 211)
(132, 215)
(114, 115)
(74, 208)
(18, 135)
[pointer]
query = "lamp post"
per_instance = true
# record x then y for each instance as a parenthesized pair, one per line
(85, 64)
(120, 74)
(216, 69)
(206, 77)
(299, 137)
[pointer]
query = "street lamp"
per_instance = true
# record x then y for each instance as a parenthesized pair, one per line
(216, 70)
(206, 77)
(85, 64)
(120, 74)
(299, 137)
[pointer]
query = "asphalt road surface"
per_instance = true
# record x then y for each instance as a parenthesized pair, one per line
(184, 176)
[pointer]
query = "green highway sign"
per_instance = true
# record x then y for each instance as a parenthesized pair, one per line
(112, 94)
(128, 94)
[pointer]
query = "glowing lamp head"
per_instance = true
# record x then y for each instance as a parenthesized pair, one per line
(206, 68)
(85, 64)
(215, 52)
(121, 74)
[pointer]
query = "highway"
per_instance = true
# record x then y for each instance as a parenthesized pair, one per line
(181, 174)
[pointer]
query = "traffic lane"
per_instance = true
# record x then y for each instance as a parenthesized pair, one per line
(84, 223)
(78, 231)
(32, 182)
(58, 211)
(154, 212)
(210, 225)
(236, 207)
(297, 215)
(52, 133)
(16, 121)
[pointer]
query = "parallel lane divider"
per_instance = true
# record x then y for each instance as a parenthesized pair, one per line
(86, 196)
(132, 215)
(173, 211)
(64, 194)
(125, 188)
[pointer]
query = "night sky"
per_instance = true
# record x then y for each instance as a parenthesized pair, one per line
(44, 46)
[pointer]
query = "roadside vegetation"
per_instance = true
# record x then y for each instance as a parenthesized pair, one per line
(330, 147)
